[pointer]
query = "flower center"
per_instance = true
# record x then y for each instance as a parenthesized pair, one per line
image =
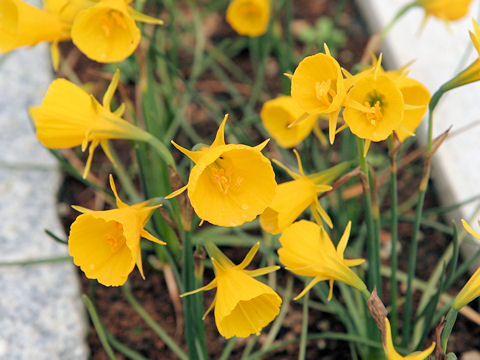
(324, 92)
(374, 113)
(115, 239)
(111, 20)
(222, 175)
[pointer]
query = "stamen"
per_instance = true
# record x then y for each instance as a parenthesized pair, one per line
(224, 178)
(324, 92)
(374, 113)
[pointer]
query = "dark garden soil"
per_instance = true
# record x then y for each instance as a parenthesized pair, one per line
(125, 324)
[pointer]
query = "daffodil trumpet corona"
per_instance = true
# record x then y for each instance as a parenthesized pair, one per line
(243, 305)
(229, 184)
(106, 244)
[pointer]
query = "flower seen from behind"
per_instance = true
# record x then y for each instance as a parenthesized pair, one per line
(69, 116)
(106, 244)
(249, 17)
(292, 198)
(318, 87)
(306, 249)
(392, 354)
(243, 305)
(279, 114)
(229, 184)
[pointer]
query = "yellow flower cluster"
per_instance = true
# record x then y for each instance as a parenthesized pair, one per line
(375, 103)
(104, 30)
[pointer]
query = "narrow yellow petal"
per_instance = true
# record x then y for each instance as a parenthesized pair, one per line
(342, 244)
(107, 97)
(193, 155)
(249, 257)
(119, 201)
(139, 263)
(145, 234)
(308, 287)
(220, 136)
(176, 192)
(138, 16)
(211, 285)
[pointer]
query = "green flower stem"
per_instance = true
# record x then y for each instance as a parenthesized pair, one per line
(194, 325)
(277, 324)
(153, 324)
(125, 350)
(394, 237)
(407, 319)
(373, 249)
(161, 149)
(399, 14)
(50, 260)
(447, 330)
(124, 177)
(99, 327)
(304, 335)
(228, 348)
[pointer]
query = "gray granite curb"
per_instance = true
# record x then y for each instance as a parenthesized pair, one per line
(41, 311)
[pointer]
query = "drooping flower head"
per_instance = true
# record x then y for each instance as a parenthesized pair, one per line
(446, 10)
(69, 116)
(294, 197)
(319, 87)
(471, 290)
(107, 32)
(22, 24)
(374, 107)
(106, 244)
(249, 17)
(243, 305)
(279, 114)
(392, 354)
(308, 251)
(229, 184)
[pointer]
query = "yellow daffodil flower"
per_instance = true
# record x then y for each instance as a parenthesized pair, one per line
(107, 32)
(249, 17)
(392, 354)
(374, 107)
(229, 184)
(69, 116)
(447, 10)
(308, 251)
(243, 305)
(25, 25)
(106, 244)
(319, 87)
(415, 97)
(471, 290)
(279, 114)
(293, 197)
